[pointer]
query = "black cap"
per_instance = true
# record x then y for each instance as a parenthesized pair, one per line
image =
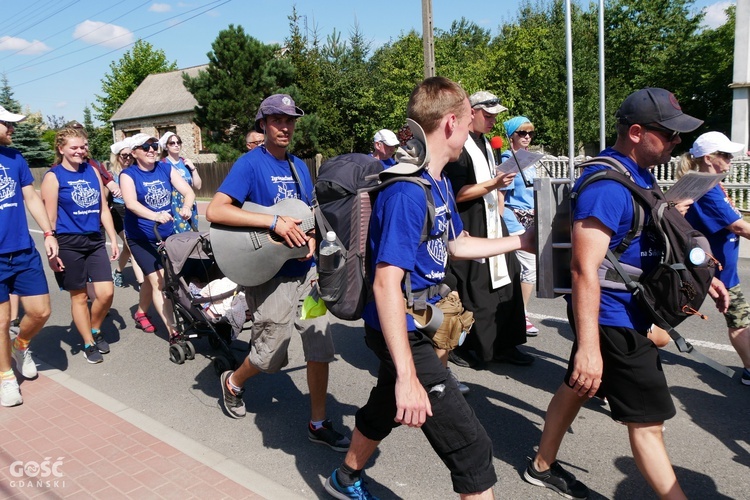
(655, 105)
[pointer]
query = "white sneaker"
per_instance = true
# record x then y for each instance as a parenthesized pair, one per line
(24, 363)
(10, 394)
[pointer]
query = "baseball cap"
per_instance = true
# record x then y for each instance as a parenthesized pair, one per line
(386, 137)
(120, 145)
(655, 105)
(7, 116)
(486, 101)
(277, 104)
(714, 142)
(140, 139)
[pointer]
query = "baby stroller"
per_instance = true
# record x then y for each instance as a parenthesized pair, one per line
(187, 257)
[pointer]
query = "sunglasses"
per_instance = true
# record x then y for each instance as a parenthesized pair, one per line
(726, 156)
(125, 156)
(524, 133)
(174, 143)
(491, 102)
(669, 134)
(7, 124)
(254, 143)
(147, 146)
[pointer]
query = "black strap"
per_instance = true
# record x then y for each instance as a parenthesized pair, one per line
(297, 180)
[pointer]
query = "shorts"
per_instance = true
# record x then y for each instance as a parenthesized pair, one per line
(85, 259)
(118, 216)
(276, 307)
(738, 314)
(633, 380)
(146, 255)
(22, 274)
(528, 266)
(453, 430)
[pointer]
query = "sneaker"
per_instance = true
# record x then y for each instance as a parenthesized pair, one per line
(92, 354)
(117, 278)
(10, 394)
(101, 344)
(514, 356)
(357, 490)
(329, 437)
(15, 327)
(745, 377)
(233, 403)
(531, 330)
(463, 388)
(557, 479)
(24, 364)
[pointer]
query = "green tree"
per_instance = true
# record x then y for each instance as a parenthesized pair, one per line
(99, 137)
(241, 72)
(126, 74)
(27, 136)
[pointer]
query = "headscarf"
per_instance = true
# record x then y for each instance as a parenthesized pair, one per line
(512, 125)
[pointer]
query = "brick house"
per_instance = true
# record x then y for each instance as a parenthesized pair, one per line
(161, 103)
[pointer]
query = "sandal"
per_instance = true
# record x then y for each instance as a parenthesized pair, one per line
(143, 323)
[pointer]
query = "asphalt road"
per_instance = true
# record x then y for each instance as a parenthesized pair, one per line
(708, 440)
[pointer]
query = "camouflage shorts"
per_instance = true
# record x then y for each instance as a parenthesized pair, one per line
(738, 314)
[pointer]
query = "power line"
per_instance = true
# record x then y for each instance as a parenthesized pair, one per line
(67, 28)
(35, 22)
(47, 59)
(11, 19)
(128, 45)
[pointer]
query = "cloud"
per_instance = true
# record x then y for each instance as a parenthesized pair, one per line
(61, 104)
(160, 7)
(715, 15)
(99, 33)
(22, 46)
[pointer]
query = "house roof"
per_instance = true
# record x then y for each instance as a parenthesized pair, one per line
(159, 94)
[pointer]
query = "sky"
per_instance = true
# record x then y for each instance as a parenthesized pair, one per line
(56, 52)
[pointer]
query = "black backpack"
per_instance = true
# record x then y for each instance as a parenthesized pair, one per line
(675, 289)
(345, 190)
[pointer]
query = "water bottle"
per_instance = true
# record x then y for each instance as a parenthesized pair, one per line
(330, 253)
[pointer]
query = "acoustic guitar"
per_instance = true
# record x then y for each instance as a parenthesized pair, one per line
(250, 256)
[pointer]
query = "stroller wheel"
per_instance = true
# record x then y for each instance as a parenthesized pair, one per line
(176, 354)
(221, 364)
(189, 350)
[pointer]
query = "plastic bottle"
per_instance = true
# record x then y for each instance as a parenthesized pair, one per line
(330, 253)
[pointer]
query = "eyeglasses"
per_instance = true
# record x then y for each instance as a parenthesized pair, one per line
(524, 133)
(490, 102)
(174, 143)
(147, 146)
(254, 143)
(125, 156)
(669, 134)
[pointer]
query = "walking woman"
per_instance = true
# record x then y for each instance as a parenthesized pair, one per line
(715, 215)
(72, 194)
(147, 190)
(120, 159)
(171, 144)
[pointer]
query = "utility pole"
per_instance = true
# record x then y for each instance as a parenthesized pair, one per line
(428, 41)
(741, 84)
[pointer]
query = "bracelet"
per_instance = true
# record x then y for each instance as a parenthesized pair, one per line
(273, 224)
(50, 233)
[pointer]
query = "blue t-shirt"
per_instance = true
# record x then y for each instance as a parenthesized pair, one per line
(181, 225)
(79, 200)
(612, 204)
(395, 229)
(711, 215)
(154, 191)
(261, 178)
(517, 196)
(14, 176)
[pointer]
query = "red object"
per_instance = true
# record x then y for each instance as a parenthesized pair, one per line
(496, 142)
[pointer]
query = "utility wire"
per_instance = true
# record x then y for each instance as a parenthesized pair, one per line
(23, 13)
(37, 22)
(128, 45)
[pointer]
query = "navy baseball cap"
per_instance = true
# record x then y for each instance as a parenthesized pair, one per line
(655, 105)
(276, 104)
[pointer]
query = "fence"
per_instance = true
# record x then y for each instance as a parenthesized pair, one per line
(737, 182)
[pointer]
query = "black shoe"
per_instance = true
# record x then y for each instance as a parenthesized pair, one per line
(514, 356)
(462, 388)
(557, 479)
(328, 436)
(233, 402)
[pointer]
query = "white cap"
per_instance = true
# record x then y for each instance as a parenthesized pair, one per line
(165, 138)
(7, 116)
(714, 142)
(120, 145)
(386, 137)
(140, 139)
(331, 236)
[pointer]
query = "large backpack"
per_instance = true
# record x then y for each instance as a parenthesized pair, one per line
(345, 190)
(675, 289)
